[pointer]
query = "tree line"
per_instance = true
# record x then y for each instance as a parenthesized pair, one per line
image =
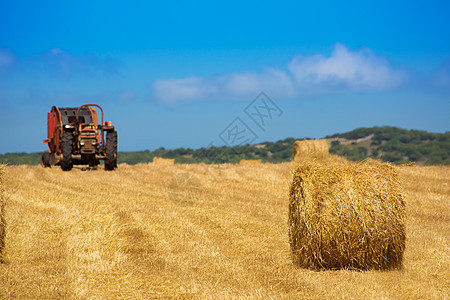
(383, 143)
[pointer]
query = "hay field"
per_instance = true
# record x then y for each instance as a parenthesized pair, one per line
(122, 234)
(250, 161)
(162, 160)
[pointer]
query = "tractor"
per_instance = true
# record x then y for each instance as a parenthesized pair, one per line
(75, 137)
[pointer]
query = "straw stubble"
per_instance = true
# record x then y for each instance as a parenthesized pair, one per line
(2, 212)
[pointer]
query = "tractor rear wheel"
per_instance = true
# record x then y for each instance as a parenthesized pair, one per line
(66, 149)
(45, 161)
(111, 150)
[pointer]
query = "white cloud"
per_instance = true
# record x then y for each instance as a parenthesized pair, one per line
(190, 88)
(342, 71)
(233, 86)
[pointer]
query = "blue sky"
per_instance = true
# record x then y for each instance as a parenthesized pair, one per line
(177, 74)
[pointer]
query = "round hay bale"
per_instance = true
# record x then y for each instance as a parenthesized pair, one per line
(346, 215)
(308, 147)
(2, 212)
(250, 161)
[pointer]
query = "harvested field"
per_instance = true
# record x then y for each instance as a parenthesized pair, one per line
(98, 234)
(2, 211)
(164, 161)
(250, 161)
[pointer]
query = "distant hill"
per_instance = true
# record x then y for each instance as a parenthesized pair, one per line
(393, 144)
(384, 143)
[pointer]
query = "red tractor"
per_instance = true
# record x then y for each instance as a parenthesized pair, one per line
(75, 137)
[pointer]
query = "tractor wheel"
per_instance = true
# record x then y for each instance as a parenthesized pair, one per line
(45, 161)
(111, 150)
(66, 149)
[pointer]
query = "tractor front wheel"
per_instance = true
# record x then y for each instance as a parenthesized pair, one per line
(111, 150)
(66, 149)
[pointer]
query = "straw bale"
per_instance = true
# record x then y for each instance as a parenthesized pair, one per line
(307, 147)
(346, 215)
(2, 212)
(250, 162)
(161, 160)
